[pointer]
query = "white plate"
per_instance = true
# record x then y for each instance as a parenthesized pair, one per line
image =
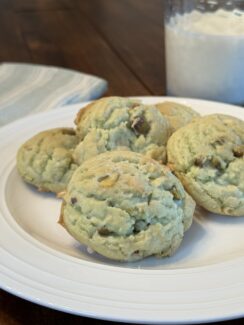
(40, 262)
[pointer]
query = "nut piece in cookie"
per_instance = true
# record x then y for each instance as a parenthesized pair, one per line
(178, 115)
(126, 207)
(117, 123)
(207, 156)
(46, 161)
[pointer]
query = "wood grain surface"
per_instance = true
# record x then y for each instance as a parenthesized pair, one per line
(119, 40)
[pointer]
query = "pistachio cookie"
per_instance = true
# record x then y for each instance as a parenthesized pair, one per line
(104, 113)
(116, 123)
(126, 206)
(207, 155)
(46, 161)
(178, 115)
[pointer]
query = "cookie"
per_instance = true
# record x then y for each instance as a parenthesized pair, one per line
(116, 123)
(178, 115)
(105, 113)
(207, 156)
(46, 161)
(126, 206)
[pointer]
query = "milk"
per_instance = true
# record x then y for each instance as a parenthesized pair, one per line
(205, 55)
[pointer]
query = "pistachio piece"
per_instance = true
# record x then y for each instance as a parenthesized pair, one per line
(104, 231)
(73, 200)
(199, 161)
(149, 198)
(110, 203)
(218, 163)
(108, 180)
(220, 141)
(176, 194)
(238, 151)
(139, 226)
(102, 178)
(140, 126)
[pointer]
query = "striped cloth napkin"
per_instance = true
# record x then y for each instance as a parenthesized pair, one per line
(30, 88)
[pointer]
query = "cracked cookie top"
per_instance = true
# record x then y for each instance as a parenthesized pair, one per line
(117, 123)
(126, 206)
(46, 161)
(208, 157)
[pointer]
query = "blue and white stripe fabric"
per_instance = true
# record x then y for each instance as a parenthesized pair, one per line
(30, 88)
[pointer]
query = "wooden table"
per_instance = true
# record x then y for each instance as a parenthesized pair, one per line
(119, 40)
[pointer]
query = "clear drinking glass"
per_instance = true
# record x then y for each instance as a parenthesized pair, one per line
(204, 44)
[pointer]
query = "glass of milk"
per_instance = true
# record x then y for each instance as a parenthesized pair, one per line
(204, 45)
